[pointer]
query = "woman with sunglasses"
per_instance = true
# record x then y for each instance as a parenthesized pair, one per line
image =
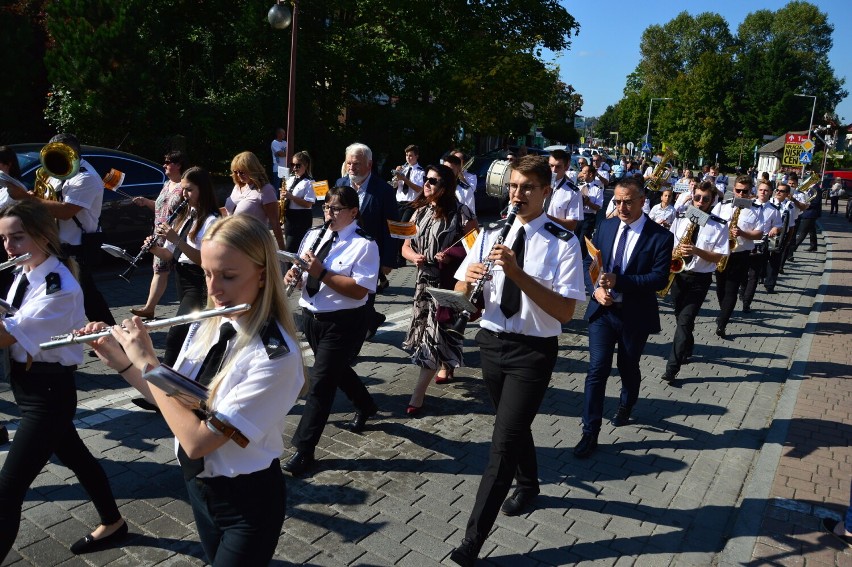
(342, 269)
(253, 194)
(299, 192)
(441, 221)
(167, 201)
(182, 249)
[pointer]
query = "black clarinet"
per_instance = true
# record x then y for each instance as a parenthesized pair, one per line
(146, 247)
(476, 293)
(298, 268)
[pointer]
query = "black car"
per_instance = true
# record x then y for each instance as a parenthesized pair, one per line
(124, 224)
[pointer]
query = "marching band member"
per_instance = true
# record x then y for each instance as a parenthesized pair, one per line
(789, 213)
(533, 288)
(183, 249)
(769, 217)
(700, 255)
(410, 182)
(468, 176)
(566, 203)
(252, 366)
(299, 192)
(341, 272)
(664, 212)
(636, 255)
(748, 229)
(464, 191)
(48, 299)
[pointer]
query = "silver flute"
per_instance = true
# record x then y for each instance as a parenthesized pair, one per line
(78, 338)
(17, 260)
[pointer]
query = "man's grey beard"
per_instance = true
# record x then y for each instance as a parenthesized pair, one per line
(357, 179)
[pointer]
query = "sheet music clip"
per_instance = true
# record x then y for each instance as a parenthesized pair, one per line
(117, 252)
(290, 258)
(454, 300)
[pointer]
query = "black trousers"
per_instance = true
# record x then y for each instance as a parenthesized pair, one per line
(728, 285)
(94, 304)
(688, 293)
(517, 371)
(298, 224)
(807, 227)
(757, 267)
(239, 519)
(192, 290)
(335, 338)
(47, 399)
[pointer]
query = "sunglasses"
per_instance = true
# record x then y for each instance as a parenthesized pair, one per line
(295, 165)
(169, 162)
(434, 181)
(702, 199)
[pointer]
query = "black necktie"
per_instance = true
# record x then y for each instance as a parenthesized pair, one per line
(618, 259)
(313, 284)
(183, 232)
(23, 284)
(212, 362)
(510, 301)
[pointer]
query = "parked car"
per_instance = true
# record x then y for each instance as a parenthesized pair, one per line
(123, 223)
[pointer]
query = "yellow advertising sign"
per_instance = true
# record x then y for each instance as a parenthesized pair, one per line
(791, 155)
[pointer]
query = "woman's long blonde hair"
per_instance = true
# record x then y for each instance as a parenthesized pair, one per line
(252, 238)
(41, 227)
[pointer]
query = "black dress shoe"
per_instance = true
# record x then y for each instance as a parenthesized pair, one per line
(4, 435)
(89, 544)
(746, 308)
(812, 249)
(360, 420)
(622, 416)
(145, 404)
(720, 332)
(587, 445)
(378, 320)
(299, 463)
(466, 554)
(670, 378)
(518, 503)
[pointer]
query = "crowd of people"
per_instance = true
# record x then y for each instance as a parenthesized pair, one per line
(559, 244)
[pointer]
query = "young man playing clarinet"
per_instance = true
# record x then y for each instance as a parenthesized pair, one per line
(531, 289)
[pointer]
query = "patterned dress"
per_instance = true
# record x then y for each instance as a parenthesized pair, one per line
(429, 342)
(167, 201)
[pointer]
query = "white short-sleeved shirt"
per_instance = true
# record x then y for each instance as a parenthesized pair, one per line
(43, 315)
(565, 203)
(712, 237)
(768, 215)
(194, 242)
(595, 192)
(302, 187)
(277, 146)
(86, 190)
(746, 221)
(786, 206)
(416, 174)
(551, 261)
(666, 215)
(251, 201)
(465, 196)
(353, 255)
(254, 397)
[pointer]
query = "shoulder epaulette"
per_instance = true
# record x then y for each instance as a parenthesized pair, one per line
(53, 283)
(363, 234)
(558, 231)
(495, 225)
(273, 340)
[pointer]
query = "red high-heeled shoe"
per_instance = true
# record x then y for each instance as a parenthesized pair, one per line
(444, 379)
(414, 411)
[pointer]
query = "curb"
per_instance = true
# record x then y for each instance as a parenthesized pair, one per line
(755, 494)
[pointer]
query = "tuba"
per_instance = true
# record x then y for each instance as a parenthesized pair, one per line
(57, 160)
(807, 187)
(661, 172)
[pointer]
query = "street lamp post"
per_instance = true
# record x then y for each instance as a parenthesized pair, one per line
(279, 18)
(740, 160)
(616, 138)
(811, 124)
(648, 129)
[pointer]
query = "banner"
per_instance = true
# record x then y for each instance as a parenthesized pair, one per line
(793, 149)
(320, 189)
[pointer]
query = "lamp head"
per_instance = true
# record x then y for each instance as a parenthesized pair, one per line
(279, 16)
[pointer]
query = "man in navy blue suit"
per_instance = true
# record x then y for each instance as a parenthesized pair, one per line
(377, 205)
(636, 258)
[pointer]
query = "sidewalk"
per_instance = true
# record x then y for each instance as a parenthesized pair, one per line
(687, 482)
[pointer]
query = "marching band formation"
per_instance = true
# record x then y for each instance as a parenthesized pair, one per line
(232, 368)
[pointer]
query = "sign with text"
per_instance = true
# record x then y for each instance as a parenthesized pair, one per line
(793, 149)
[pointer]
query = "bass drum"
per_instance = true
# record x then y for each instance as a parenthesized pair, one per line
(497, 179)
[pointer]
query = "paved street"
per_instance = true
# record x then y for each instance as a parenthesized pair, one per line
(709, 473)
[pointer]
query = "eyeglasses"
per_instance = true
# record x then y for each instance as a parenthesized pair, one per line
(781, 191)
(702, 199)
(746, 191)
(240, 173)
(526, 188)
(625, 202)
(295, 165)
(334, 210)
(434, 181)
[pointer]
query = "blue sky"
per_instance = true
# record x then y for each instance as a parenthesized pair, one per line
(607, 48)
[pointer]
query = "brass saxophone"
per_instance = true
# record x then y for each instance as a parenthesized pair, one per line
(57, 160)
(678, 264)
(732, 240)
(282, 202)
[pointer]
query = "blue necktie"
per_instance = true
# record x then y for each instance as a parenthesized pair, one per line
(618, 259)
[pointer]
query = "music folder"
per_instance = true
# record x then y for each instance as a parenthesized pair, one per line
(455, 300)
(176, 385)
